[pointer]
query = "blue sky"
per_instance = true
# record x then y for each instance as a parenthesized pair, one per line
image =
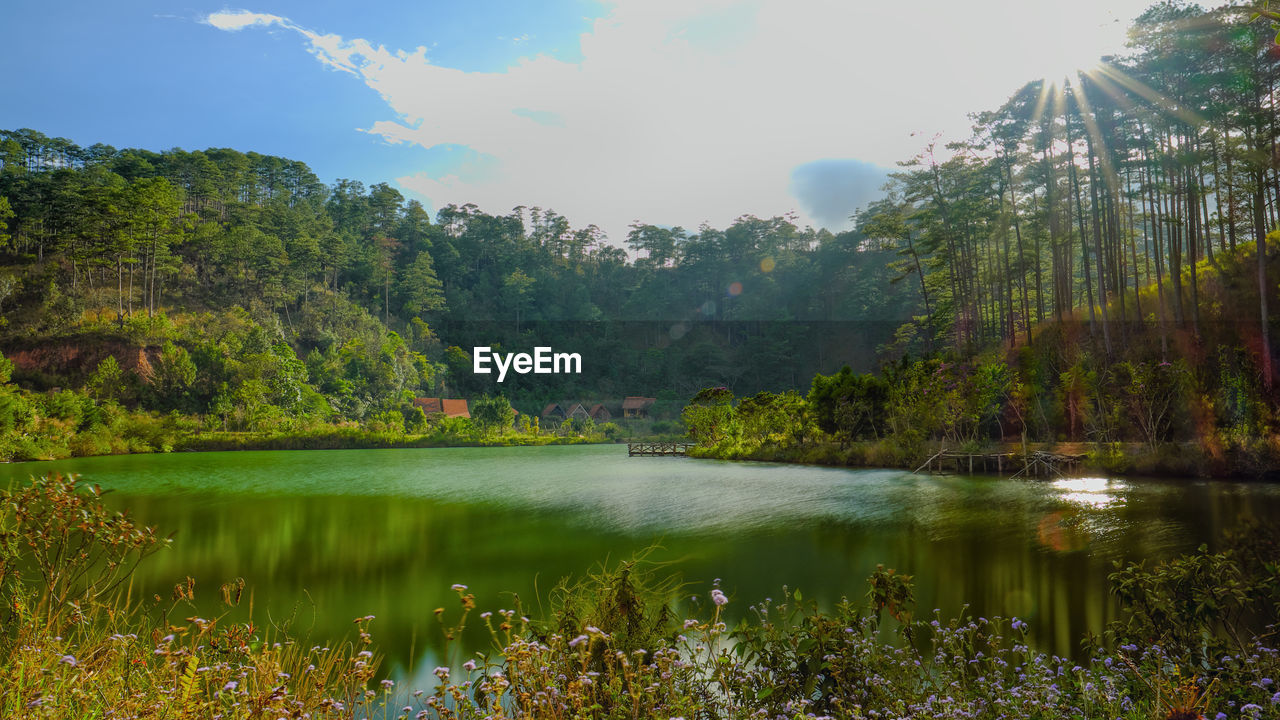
(153, 75)
(666, 111)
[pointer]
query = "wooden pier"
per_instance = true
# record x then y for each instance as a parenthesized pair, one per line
(658, 448)
(1035, 464)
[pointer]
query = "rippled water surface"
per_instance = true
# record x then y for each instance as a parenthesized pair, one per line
(325, 536)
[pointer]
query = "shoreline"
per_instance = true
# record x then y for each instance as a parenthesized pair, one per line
(1174, 461)
(361, 440)
(325, 440)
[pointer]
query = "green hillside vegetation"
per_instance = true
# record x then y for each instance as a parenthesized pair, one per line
(1168, 402)
(235, 292)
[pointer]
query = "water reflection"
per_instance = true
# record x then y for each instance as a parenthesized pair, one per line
(1092, 492)
(323, 537)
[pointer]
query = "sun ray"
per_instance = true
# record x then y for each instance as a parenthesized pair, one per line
(1091, 127)
(1037, 113)
(1154, 97)
(1124, 99)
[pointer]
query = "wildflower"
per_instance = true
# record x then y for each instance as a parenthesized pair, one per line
(577, 641)
(67, 660)
(486, 615)
(469, 665)
(458, 587)
(230, 686)
(1017, 624)
(387, 684)
(718, 597)
(689, 623)
(442, 673)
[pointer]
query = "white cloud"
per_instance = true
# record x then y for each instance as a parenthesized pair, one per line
(233, 20)
(682, 112)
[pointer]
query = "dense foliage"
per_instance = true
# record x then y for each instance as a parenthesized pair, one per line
(1207, 413)
(375, 298)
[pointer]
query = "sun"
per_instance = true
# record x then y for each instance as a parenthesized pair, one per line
(1060, 59)
(1069, 44)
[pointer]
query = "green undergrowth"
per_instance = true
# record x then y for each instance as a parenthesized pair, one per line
(334, 438)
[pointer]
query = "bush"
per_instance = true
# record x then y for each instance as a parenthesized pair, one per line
(493, 414)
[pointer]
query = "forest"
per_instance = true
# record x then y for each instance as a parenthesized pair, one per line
(1090, 265)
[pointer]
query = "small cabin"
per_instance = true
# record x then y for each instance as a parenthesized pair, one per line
(600, 413)
(578, 412)
(428, 405)
(455, 407)
(637, 407)
(449, 407)
(552, 412)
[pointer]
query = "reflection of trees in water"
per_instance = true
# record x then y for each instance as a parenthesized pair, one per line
(990, 570)
(1007, 548)
(1042, 556)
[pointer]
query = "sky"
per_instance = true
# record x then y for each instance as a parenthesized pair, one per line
(669, 112)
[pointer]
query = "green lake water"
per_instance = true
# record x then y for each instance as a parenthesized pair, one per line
(325, 536)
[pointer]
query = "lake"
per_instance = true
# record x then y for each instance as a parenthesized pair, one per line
(322, 537)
